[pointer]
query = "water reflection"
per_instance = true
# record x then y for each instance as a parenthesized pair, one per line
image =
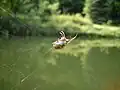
(104, 68)
(25, 67)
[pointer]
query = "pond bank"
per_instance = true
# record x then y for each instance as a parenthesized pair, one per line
(86, 31)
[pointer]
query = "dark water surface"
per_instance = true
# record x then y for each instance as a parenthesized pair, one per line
(82, 65)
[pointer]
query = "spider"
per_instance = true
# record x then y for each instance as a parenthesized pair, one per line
(61, 42)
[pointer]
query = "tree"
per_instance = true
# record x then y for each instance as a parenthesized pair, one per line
(115, 12)
(71, 6)
(100, 11)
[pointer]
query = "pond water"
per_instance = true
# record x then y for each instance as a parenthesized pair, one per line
(82, 65)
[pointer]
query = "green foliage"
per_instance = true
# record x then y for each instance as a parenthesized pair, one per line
(71, 6)
(103, 11)
(30, 14)
(19, 6)
(28, 17)
(87, 7)
(99, 11)
(67, 21)
(115, 13)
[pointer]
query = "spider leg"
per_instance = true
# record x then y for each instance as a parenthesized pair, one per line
(63, 33)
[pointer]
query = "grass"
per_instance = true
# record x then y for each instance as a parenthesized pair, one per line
(104, 30)
(76, 23)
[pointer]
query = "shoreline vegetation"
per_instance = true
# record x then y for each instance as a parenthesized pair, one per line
(71, 24)
(88, 18)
